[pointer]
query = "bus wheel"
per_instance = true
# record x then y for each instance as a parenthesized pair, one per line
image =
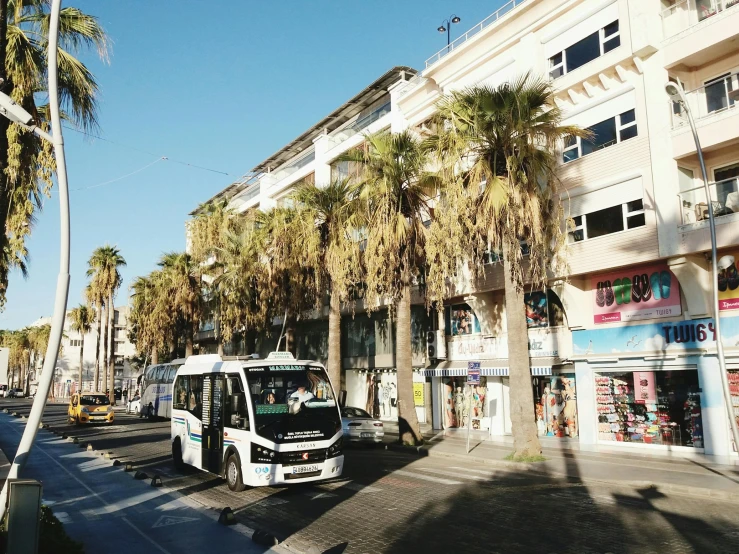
(233, 474)
(177, 454)
(150, 412)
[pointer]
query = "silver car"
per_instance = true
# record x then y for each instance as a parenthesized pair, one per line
(360, 427)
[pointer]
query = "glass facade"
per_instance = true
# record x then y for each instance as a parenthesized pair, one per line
(650, 407)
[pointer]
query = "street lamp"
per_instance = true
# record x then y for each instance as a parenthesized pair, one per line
(677, 95)
(446, 26)
(17, 114)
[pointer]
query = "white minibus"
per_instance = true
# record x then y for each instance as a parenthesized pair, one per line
(257, 422)
(156, 389)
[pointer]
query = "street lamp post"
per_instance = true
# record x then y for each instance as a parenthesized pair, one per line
(17, 114)
(677, 94)
(446, 26)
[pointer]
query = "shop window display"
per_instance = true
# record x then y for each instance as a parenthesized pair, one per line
(382, 395)
(650, 407)
(734, 388)
(461, 320)
(543, 309)
(556, 405)
(457, 403)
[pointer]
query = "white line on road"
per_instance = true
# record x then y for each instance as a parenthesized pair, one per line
(454, 474)
(506, 474)
(425, 477)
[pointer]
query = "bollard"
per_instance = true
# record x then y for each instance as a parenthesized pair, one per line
(265, 539)
(156, 481)
(227, 517)
(89, 447)
(140, 475)
(116, 462)
(128, 467)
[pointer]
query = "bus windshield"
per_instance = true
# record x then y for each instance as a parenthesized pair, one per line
(293, 402)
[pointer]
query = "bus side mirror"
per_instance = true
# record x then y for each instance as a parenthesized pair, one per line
(342, 398)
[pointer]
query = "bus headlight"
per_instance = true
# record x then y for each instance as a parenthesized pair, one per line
(85, 410)
(263, 455)
(335, 449)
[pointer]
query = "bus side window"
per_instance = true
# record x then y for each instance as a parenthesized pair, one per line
(181, 390)
(194, 401)
(170, 374)
(237, 414)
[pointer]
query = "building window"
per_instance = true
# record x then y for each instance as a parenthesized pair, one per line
(607, 221)
(543, 309)
(717, 93)
(604, 134)
(461, 320)
(586, 50)
(727, 189)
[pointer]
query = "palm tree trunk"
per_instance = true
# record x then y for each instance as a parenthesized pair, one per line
(173, 346)
(189, 334)
(103, 348)
(154, 356)
(334, 340)
(82, 357)
(523, 426)
(111, 356)
(290, 334)
(409, 430)
(220, 347)
(96, 376)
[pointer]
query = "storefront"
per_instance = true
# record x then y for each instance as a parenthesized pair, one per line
(655, 386)
(376, 391)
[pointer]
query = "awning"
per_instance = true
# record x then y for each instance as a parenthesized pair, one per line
(495, 368)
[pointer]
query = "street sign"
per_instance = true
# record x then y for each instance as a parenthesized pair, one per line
(473, 373)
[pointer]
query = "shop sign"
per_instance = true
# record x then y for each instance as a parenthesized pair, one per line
(473, 373)
(418, 399)
(471, 348)
(655, 337)
(644, 389)
(634, 294)
(542, 343)
(728, 282)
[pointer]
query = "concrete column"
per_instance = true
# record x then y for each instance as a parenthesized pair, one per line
(587, 415)
(496, 404)
(713, 410)
(693, 274)
(322, 144)
(437, 403)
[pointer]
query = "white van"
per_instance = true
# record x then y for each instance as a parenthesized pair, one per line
(257, 422)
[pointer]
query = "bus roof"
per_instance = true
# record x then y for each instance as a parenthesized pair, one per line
(213, 363)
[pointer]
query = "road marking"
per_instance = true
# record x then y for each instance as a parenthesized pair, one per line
(454, 474)
(321, 495)
(166, 521)
(426, 477)
(499, 474)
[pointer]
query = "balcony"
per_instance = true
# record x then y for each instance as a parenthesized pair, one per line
(708, 100)
(294, 166)
(360, 124)
(686, 24)
(724, 199)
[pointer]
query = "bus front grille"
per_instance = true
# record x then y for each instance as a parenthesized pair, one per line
(299, 457)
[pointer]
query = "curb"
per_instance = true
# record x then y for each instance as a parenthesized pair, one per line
(685, 490)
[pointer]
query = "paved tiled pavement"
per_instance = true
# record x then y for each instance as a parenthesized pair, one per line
(392, 502)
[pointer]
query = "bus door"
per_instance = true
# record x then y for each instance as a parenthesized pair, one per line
(212, 447)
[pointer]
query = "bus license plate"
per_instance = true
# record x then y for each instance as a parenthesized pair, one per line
(366, 435)
(305, 469)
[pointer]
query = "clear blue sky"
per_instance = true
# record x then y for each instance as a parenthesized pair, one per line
(220, 84)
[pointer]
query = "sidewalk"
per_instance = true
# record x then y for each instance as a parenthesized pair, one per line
(564, 459)
(109, 511)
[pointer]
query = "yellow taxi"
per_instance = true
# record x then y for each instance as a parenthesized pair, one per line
(90, 407)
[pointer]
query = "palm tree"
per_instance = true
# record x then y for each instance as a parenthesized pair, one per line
(396, 190)
(82, 319)
(328, 213)
(26, 161)
(152, 316)
(95, 299)
(38, 341)
(507, 137)
(103, 269)
(182, 280)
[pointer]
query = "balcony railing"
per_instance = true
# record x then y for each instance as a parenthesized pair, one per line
(686, 13)
(360, 124)
(707, 100)
(286, 170)
(250, 193)
(724, 198)
(489, 20)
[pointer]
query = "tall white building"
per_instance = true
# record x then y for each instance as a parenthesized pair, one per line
(66, 375)
(623, 350)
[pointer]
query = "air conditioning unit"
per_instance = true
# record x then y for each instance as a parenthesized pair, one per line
(435, 345)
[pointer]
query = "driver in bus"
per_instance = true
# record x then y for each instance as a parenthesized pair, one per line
(302, 394)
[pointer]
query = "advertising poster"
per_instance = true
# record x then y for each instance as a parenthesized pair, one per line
(644, 389)
(418, 399)
(647, 292)
(461, 320)
(728, 282)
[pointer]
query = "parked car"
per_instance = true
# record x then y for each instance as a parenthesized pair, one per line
(134, 405)
(360, 427)
(90, 407)
(15, 393)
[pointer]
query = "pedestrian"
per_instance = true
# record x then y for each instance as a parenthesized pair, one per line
(125, 395)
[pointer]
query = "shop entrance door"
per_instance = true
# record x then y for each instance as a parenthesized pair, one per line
(506, 405)
(212, 445)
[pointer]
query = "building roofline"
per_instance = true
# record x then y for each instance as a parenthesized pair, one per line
(330, 123)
